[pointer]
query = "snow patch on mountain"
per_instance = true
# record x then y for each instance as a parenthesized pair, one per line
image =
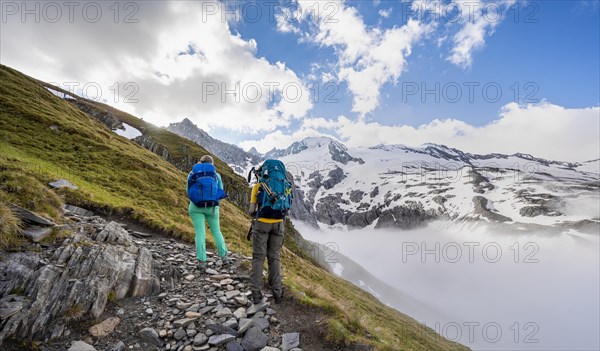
(128, 131)
(404, 187)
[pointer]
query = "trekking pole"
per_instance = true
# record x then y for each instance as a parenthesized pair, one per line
(249, 235)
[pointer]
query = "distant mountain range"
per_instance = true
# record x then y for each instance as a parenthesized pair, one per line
(403, 187)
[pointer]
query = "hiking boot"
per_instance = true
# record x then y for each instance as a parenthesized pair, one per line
(226, 260)
(202, 266)
(278, 296)
(257, 297)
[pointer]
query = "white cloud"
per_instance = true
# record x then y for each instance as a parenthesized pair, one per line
(478, 19)
(173, 54)
(385, 13)
(368, 57)
(543, 130)
(475, 19)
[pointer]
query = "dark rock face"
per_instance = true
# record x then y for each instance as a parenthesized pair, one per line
(315, 182)
(328, 210)
(480, 203)
(363, 219)
(335, 176)
(374, 192)
(146, 142)
(480, 183)
(440, 200)
(301, 208)
(340, 154)
(107, 118)
(534, 211)
(388, 198)
(356, 195)
(408, 216)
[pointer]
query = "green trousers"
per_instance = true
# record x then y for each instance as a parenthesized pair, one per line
(201, 215)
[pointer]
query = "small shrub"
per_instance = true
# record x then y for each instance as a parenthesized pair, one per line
(17, 291)
(57, 235)
(337, 334)
(74, 312)
(112, 297)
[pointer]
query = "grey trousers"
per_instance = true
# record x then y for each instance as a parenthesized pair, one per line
(267, 240)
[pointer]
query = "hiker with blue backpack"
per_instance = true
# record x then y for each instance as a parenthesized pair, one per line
(270, 200)
(205, 190)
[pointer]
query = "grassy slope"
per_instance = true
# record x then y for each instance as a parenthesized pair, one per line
(116, 175)
(183, 152)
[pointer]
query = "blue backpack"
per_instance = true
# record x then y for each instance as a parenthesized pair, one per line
(276, 194)
(202, 188)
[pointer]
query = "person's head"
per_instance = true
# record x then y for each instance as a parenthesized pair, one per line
(206, 159)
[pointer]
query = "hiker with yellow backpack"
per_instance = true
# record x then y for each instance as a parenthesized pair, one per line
(270, 201)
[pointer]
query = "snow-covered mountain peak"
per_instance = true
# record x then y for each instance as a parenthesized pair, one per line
(316, 149)
(321, 141)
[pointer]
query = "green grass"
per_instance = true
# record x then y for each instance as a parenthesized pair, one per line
(117, 176)
(10, 237)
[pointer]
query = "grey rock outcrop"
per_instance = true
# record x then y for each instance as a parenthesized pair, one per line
(540, 210)
(340, 154)
(75, 279)
(328, 210)
(62, 183)
(480, 208)
(334, 177)
(77, 211)
(147, 142)
(30, 217)
(407, 216)
(107, 118)
(301, 208)
(363, 219)
(356, 195)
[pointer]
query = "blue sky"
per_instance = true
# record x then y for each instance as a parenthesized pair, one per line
(538, 64)
(544, 50)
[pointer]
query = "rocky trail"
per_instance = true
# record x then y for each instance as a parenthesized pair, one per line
(112, 285)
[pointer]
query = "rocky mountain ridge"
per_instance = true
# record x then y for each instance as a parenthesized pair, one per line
(238, 159)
